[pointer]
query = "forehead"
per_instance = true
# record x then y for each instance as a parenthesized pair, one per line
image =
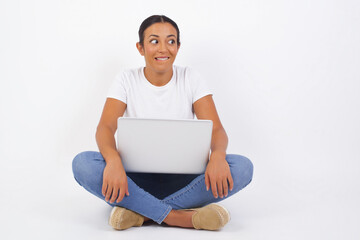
(160, 29)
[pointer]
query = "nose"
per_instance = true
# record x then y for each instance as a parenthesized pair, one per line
(162, 47)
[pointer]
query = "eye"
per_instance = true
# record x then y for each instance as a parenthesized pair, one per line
(154, 41)
(172, 41)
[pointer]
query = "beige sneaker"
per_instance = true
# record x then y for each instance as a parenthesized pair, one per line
(210, 217)
(122, 218)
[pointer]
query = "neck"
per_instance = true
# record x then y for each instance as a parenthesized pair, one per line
(158, 78)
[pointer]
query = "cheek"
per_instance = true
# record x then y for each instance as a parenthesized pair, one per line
(149, 51)
(173, 51)
(172, 48)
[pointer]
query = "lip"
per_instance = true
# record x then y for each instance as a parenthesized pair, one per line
(157, 58)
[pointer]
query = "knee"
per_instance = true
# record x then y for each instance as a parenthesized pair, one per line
(80, 164)
(77, 164)
(241, 170)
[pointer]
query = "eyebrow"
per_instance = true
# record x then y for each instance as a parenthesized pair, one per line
(153, 35)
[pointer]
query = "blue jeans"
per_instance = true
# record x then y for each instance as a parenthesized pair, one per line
(155, 195)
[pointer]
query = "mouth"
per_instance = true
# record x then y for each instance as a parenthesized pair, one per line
(161, 58)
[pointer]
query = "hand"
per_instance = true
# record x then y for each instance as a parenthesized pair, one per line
(218, 175)
(114, 182)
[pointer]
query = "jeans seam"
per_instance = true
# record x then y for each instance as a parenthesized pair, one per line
(163, 215)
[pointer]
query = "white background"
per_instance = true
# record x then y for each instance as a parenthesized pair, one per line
(286, 82)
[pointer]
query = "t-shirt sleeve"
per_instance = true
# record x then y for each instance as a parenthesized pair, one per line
(117, 89)
(199, 86)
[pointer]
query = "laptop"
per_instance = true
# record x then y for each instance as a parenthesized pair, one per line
(164, 145)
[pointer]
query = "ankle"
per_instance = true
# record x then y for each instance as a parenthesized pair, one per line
(180, 218)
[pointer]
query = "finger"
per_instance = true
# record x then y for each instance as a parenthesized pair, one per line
(231, 182)
(214, 189)
(127, 189)
(207, 182)
(119, 199)
(121, 195)
(108, 193)
(114, 194)
(220, 189)
(225, 187)
(103, 190)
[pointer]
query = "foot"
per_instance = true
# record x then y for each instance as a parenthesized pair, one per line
(210, 217)
(122, 218)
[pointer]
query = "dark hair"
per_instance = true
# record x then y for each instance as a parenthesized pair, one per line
(156, 19)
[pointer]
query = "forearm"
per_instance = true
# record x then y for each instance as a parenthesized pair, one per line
(219, 141)
(217, 174)
(106, 144)
(114, 186)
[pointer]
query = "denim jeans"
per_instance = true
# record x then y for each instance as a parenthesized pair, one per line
(155, 195)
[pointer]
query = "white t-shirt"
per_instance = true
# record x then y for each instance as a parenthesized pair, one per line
(171, 101)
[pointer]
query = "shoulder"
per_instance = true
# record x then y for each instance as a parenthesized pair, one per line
(129, 73)
(129, 77)
(186, 72)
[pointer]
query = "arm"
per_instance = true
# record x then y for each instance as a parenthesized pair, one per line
(217, 171)
(114, 177)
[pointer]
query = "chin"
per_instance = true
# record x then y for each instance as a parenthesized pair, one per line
(163, 68)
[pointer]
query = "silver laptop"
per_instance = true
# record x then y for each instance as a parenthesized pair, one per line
(164, 145)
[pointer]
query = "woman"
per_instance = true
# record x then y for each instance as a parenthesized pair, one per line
(161, 90)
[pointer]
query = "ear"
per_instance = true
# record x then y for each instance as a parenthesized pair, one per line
(178, 46)
(140, 48)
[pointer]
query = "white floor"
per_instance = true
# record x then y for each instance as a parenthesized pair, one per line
(36, 205)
